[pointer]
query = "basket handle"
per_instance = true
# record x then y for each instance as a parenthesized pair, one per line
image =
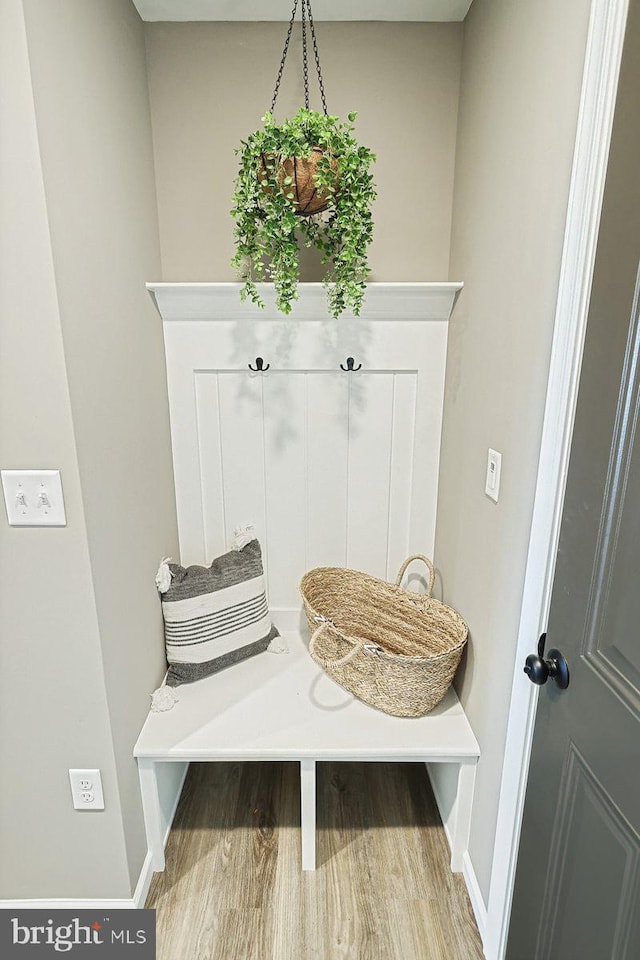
(313, 653)
(417, 556)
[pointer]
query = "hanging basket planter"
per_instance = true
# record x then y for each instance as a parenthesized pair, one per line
(306, 177)
(298, 175)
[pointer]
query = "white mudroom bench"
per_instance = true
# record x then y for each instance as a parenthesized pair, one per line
(283, 707)
(309, 427)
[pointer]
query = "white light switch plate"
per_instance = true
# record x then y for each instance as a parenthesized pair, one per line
(33, 498)
(494, 469)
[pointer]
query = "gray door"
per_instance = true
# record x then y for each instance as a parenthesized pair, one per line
(577, 892)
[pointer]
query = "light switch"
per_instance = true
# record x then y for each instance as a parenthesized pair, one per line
(33, 498)
(494, 468)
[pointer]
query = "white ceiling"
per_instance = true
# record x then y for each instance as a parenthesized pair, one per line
(412, 10)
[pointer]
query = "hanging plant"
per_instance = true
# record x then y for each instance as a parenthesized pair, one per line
(306, 176)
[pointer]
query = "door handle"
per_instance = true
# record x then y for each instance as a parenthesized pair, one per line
(539, 669)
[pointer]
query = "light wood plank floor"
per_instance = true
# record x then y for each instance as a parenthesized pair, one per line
(233, 888)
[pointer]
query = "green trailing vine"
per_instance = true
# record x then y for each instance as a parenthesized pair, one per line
(266, 221)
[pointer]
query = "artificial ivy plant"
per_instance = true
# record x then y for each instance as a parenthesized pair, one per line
(307, 176)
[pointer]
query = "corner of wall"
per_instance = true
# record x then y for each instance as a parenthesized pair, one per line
(519, 96)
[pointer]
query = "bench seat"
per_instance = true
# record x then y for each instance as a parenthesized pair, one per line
(284, 707)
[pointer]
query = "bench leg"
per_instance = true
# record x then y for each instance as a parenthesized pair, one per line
(462, 822)
(308, 813)
(151, 811)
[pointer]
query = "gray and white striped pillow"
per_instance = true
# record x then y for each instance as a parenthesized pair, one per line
(214, 616)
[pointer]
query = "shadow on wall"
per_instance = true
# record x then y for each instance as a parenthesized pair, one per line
(312, 270)
(340, 338)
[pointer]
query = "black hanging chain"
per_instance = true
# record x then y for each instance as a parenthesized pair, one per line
(306, 14)
(284, 54)
(305, 65)
(317, 57)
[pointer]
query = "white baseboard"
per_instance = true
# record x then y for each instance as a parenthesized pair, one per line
(146, 874)
(144, 882)
(475, 895)
(136, 902)
(64, 904)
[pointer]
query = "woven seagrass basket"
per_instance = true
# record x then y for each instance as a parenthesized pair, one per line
(392, 648)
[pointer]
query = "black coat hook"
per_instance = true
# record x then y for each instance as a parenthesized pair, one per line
(260, 366)
(350, 367)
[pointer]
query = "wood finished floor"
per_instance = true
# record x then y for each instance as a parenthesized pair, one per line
(233, 888)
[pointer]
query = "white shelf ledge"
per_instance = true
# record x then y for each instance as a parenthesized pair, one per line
(327, 10)
(383, 301)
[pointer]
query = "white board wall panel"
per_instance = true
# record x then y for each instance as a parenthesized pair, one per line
(333, 468)
(327, 432)
(401, 470)
(370, 423)
(243, 454)
(185, 446)
(430, 359)
(214, 525)
(285, 444)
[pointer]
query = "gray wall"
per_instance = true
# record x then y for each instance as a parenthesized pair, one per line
(53, 705)
(92, 108)
(210, 83)
(521, 81)
(91, 394)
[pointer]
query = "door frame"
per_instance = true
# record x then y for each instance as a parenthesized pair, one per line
(593, 137)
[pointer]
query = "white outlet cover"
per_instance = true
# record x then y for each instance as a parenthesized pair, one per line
(86, 789)
(33, 498)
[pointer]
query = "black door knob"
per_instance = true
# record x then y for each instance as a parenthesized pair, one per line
(536, 669)
(539, 669)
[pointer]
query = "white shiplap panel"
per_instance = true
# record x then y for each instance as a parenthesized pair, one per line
(371, 482)
(370, 422)
(242, 447)
(430, 358)
(285, 475)
(216, 537)
(401, 472)
(327, 455)
(185, 447)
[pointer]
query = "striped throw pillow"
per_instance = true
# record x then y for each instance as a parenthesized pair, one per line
(214, 616)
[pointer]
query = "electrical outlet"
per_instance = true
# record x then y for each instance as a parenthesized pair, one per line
(86, 789)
